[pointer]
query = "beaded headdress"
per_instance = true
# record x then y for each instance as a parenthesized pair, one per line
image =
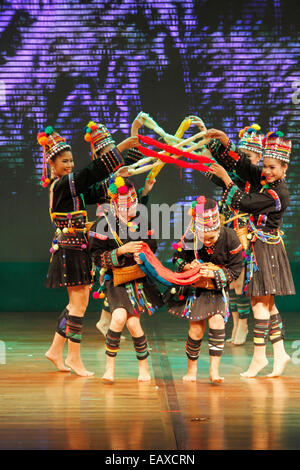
(99, 137)
(52, 143)
(205, 213)
(251, 139)
(275, 146)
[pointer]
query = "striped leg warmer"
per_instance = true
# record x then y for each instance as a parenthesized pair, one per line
(61, 323)
(233, 301)
(141, 347)
(276, 332)
(261, 331)
(216, 341)
(112, 342)
(74, 328)
(243, 306)
(192, 348)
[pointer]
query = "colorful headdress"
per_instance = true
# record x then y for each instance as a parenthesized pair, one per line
(52, 144)
(277, 147)
(98, 135)
(205, 214)
(119, 186)
(251, 139)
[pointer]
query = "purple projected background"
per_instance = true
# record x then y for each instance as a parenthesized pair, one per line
(64, 62)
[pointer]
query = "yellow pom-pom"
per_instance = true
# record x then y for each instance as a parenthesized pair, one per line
(119, 181)
(179, 249)
(129, 224)
(102, 295)
(88, 137)
(91, 123)
(256, 127)
(248, 140)
(43, 140)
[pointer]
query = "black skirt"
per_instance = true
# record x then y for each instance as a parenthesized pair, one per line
(197, 304)
(69, 268)
(137, 297)
(274, 273)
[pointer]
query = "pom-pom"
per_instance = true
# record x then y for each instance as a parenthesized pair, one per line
(179, 249)
(173, 290)
(44, 184)
(84, 246)
(181, 297)
(96, 295)
(119, 181)
(190, 211)
(47, 181)
(58, 231)
(91, 123)
(123, 190)
(69, 216)
(175, 246)
(201, 200)
(52, 250)
(113, 189)
(56, 247)
(88, 137)
(280, 134)
(94, 127)
(194, 203)
(256, 127)
(48, 130)
(43, 140)
(88, 130)
(102, 295)
(65, 230)
(71, 229)
(43, 179)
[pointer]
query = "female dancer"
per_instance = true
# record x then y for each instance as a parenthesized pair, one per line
(239, 304)
(268, 272)
(70, 263)
(110, 248)
(214, 244)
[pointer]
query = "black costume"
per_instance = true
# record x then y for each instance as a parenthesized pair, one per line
(199, 303)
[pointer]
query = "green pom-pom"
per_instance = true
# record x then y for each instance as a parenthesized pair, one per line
(48, 130)
(113, 188)
(88, 130)
(280, 134)
(194, 203)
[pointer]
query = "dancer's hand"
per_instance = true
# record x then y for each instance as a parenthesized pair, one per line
(205, 272)
(219, 171)
(123, 171)
(216, 134)
(148, 186)
(195, 264)
(130, 247)
(128, 143)
(198, 122)
(136, 125)
(137, 258)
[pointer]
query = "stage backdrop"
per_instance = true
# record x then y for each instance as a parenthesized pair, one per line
(64, 62)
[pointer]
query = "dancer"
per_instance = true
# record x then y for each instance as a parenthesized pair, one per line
(240, 305)
(129, 294)
(211, 244)
(70, 264)
(268, 272)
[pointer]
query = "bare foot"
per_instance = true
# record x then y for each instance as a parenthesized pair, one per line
(144, 375)
(190, 377)
(254, 368)
(58, 361)
(231, 340)
(241, 334)
(279, 365)
(109, 376)
(144, 378)
(214, 377)
(78, 367)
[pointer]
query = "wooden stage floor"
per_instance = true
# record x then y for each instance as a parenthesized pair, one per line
(44, 409)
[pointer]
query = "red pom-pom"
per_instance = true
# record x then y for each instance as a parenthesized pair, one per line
(201, 200)
(94, 127)
(181, 297)
(175, 246)
(96, 295)
(123, 190)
